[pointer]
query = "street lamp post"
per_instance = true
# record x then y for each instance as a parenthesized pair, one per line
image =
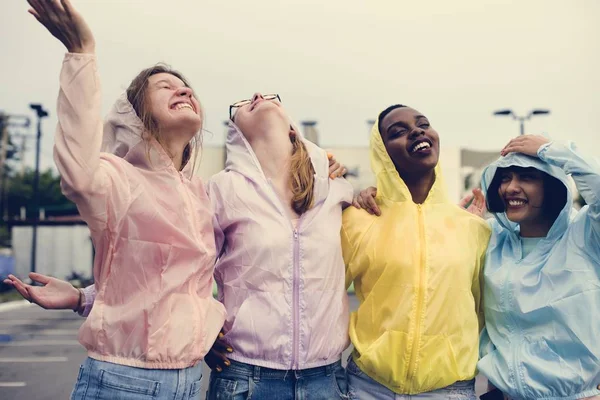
(509, 112)
(41, 113)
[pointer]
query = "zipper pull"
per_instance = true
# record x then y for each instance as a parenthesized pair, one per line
(295, 234)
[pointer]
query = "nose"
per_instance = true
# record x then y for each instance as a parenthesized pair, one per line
(415, 133)
(513, 186)
(257, 96)
(184, 91)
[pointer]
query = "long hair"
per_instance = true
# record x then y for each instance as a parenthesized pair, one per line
(137, 94)
(302, 176)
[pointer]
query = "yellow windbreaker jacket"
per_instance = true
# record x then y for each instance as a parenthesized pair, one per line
(417, 274)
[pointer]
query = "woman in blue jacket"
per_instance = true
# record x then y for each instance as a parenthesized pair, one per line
(542, 273)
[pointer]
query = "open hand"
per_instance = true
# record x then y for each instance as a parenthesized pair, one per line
(477, 206)
(65, 24)
(55, 294)
(525, 144)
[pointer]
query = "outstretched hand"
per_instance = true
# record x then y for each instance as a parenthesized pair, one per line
(65, 24)
(55, 294)
(477, 206)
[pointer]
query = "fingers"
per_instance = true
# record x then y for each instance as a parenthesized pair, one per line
(478, 198)
(39, 278)
(334, 169)
(355, 202)
(465, 200)
(35, 14)
(66, 5)
(20, 287)
(216, 361)
(372, 205)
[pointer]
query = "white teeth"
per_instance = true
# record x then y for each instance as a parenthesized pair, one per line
(422, 145)
(181, 106)
(516, 202)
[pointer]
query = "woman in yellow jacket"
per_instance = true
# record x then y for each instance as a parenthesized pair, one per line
(416, 272)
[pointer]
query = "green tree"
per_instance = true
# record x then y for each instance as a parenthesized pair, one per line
(19, 193)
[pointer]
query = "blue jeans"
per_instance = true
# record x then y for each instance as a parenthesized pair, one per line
(362, 387)
(101, 380)
(242, 381)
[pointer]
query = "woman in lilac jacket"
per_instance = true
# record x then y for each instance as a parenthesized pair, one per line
(280, 272)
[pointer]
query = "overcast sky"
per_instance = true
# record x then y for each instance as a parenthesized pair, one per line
(339, 62)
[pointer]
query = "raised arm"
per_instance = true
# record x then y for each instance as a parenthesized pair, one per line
(85, 179)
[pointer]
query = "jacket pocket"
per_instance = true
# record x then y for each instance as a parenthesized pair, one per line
(229, 389)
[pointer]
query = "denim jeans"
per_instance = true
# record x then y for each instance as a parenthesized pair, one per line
(362, 387)
(242, 381)
(101, 380)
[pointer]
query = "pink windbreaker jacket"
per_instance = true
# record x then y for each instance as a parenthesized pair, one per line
(283, 287)
(152, 229)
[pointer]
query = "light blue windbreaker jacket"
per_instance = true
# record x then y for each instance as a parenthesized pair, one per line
(542, 312)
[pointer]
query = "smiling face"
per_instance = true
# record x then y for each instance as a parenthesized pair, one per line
(522, 192)
(411, 142)
(259, 115)
(172, 105)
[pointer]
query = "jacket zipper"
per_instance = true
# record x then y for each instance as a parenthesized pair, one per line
(295, 283)
(412, 367)
(296, 301)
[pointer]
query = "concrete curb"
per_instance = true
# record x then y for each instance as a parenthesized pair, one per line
(14, 305)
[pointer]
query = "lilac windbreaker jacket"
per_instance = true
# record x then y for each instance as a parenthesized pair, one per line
(283, 287)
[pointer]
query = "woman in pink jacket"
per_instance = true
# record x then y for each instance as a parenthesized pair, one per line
(154, 316)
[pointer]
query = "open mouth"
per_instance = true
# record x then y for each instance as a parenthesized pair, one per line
(515, 203)
(182, 106)
(420, 146)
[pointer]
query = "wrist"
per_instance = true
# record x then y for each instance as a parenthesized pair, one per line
(84, 49)
(79, 301)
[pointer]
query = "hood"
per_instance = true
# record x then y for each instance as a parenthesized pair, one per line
(123, 137)
(521, 160)
(389, 183)
(242, 159)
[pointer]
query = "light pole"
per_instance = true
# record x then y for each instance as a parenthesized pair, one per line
(41, 113)
(509, 112)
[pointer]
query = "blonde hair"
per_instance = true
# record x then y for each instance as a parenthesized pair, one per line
(302, 176)
(137, 96)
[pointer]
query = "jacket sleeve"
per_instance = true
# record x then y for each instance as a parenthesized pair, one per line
(216, 202)
(478, 277)
(96, 184)
(586, 174)
(352, 233)
(89, 296)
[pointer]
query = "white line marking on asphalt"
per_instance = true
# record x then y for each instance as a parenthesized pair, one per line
(32, 359)
(41, 332)
(13, 322)
(13, 384)
(27, 343)
(13, 305)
